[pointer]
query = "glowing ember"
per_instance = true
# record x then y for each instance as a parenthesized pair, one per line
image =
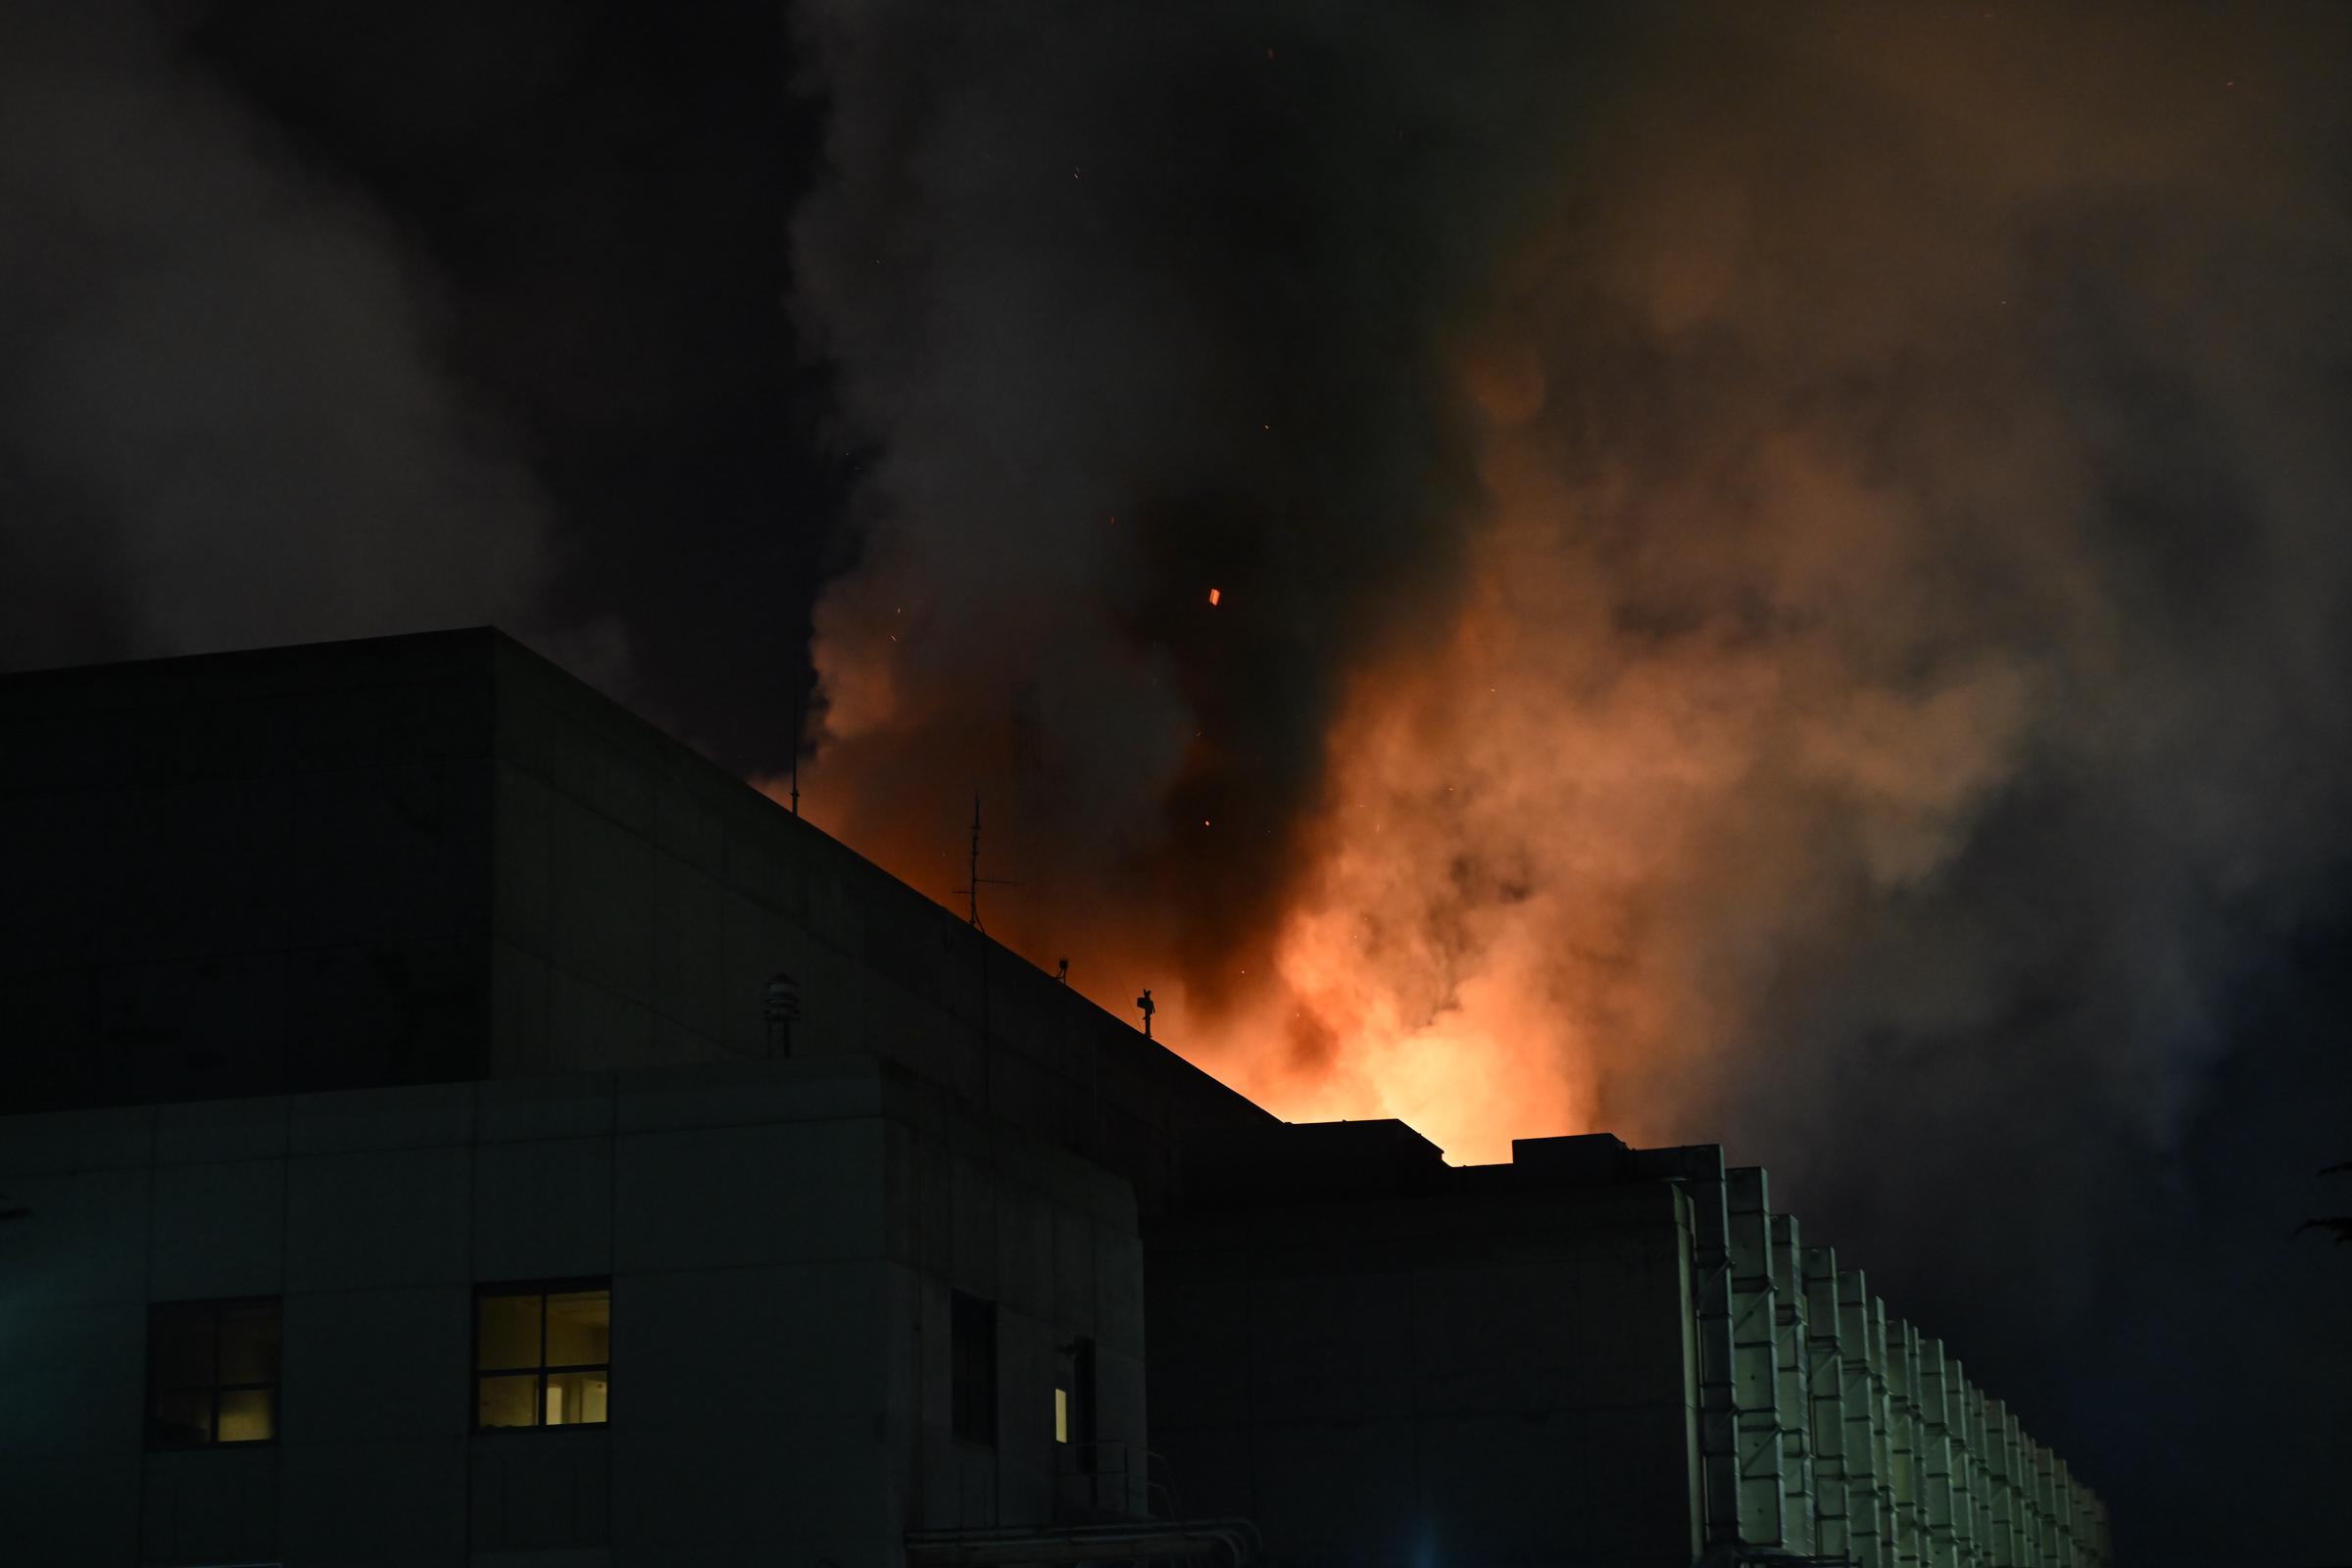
(1213, 596)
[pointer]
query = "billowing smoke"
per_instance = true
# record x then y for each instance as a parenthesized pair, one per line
(1135, 319)
(1902, 624)
(222, 418)
(1747, 545)
(1779, 572)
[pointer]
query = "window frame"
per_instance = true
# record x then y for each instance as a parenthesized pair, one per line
(214, 1309)
(543, 1370)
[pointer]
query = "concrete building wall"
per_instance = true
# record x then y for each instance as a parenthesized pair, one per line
(1474, 1373)
(247, 874)
(1905, 1462)
(542, 931)
(644, 898)
(439, 857)
(782, 1241)
(1593, 1354)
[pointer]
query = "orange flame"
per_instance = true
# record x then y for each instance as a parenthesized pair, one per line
(1555, 867)
(1557, 863)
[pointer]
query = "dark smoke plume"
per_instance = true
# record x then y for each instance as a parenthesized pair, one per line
(1781, 570)
(1133, 319)
(224, 421)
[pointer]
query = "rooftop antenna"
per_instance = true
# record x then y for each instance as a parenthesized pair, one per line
(1145, 1003)
(797, 720)
(971, 891)
(780, 1011)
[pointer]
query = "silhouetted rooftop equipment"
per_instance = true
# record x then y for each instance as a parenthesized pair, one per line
(798, 719)
(781, 1009)
(971, 891)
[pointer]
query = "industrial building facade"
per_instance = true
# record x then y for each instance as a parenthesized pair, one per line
(766, 1266)
(1591, 1355)
(413, 1166)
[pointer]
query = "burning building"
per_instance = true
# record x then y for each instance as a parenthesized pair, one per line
(452, 1122)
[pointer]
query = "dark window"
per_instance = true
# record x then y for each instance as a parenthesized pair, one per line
(974, 1353)
(1076, 1425)
(543, 1354)
(211, 1373)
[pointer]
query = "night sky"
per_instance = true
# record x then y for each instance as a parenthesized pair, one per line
(1780, 573)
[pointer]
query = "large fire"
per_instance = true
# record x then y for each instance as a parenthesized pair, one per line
(1605, 727)
(1559, 866)
(1508, 916)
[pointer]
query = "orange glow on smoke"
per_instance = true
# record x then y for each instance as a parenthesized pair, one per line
(1475, 1012)
(1556, 868)
(1556, 864)
(1776, 570)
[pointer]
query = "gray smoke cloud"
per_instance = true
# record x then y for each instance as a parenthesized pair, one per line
(1781, 570)
(224, 421)
(1132, 323)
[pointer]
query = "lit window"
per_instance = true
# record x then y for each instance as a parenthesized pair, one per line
(543, 1355)
(974, 1355)
(1061, 1415)
(211, 1373)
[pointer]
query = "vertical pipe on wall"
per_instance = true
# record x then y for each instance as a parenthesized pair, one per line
(1755, 1361)
(1959, 1440)
(1864, 1466)
(1903, 1457)
(1828, 1385)
(1882, 1435)
(1698, 1170)
(1935, 1463)
(1792, 1348)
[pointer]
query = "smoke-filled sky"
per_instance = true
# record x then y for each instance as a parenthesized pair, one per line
(1765, 575)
